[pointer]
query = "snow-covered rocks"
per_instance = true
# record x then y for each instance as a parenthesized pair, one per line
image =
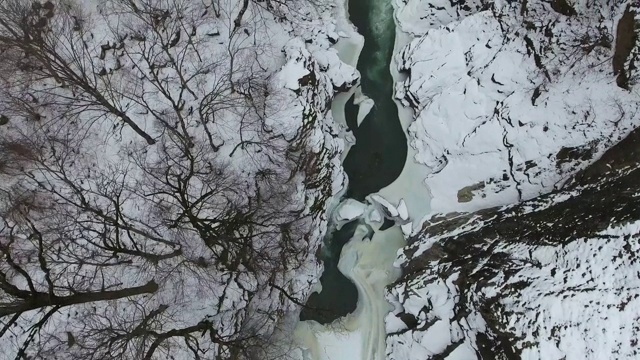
(550, 295)
(350, 209)
(386, 206)
(373, 211)
(295, 70)
(512, 99)
(397, 213)
(342, 75)
(555, 277)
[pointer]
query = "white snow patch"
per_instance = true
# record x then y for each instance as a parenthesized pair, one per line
(402, 210)
(386, 206)
(350, 209)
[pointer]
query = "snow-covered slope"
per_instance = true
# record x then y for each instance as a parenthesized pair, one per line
(208, 224)
(556, 277)
(527, 113)
(512, 97)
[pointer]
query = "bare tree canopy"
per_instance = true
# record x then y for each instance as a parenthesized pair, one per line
(149, 208)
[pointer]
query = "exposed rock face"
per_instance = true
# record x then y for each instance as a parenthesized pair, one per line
(556, 277)
(545, 266)
(626, 38)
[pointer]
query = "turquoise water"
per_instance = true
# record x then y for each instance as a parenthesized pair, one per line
(374, 161)
(378, 156)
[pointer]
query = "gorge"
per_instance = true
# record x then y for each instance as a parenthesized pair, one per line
(363, 240)
(377, 157)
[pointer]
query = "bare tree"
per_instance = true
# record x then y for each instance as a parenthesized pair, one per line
(142, 252)
(49, 44)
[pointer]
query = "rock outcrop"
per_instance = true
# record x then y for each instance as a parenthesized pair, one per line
(535, 252)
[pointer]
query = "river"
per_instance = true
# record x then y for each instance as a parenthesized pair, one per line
(378, 156)
(373, 162)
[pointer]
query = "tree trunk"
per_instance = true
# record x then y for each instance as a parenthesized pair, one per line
(41, 299)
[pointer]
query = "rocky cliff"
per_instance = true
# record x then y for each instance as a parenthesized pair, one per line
(551, 278)
(549, 269)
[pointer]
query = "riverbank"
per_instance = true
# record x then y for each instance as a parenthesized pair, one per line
(322, 305)
(326, 342)
(349, 47)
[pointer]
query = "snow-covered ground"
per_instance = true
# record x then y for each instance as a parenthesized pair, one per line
(232, 104)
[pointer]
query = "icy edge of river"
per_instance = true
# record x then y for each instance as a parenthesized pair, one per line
(349, 48)
(410, 184)
(360, 335)
(314, 339)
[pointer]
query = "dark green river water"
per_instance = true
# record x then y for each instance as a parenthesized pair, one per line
(376, 159)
